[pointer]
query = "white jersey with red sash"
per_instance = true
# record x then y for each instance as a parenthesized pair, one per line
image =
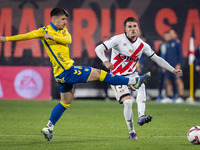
(126, 54)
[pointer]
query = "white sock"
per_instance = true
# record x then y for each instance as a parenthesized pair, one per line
(128, 114)
(141, 100)
(50, 125)
(132, 81)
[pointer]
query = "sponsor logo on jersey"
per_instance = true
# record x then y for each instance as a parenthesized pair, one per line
(131, 51)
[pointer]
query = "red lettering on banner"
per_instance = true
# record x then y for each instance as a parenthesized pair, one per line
(27, 21)
(192, 26)
(120, 16)
(47, 17)
(6, 29)
(105, 23)
(85, 34)
(163, 14)
(157, 44)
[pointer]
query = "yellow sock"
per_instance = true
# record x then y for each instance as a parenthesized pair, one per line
(65, 105)
(102, 75)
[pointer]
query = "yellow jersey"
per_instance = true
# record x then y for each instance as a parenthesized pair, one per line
(57, 49)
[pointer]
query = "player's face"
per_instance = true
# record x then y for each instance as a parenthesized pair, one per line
(167, 37)
(173, 34)
(132, 30)
(60, 21)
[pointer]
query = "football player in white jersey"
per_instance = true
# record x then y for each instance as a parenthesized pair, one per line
(127, 49)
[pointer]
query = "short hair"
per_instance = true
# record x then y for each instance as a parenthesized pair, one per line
(166, 32)
(59, 11)
(130, 19)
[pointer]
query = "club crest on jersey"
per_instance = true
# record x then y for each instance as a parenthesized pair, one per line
(121, 91)
(131, 51)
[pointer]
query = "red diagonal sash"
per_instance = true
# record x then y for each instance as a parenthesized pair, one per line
(120, 59)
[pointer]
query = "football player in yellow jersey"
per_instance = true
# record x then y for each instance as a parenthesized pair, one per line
(56, 38)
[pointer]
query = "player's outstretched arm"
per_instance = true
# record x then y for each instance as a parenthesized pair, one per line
(22, 37)
(164, 64)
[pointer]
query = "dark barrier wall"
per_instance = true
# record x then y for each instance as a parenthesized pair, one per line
(89, 22)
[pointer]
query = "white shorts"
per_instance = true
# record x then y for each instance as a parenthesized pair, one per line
(121, 91)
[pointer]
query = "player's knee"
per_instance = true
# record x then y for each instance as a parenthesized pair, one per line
(125, 98)
(128, 103)
(98, 71)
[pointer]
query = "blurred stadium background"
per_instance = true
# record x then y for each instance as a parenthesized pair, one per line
(25, 70)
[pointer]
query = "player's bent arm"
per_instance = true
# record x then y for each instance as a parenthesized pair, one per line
(63, 40)
(162, 63)
(100, 52)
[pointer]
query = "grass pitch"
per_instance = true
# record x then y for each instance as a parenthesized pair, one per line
(96, 125)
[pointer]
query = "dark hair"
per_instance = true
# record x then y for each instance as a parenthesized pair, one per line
(130, 19)
(166, 32)
(59, 11)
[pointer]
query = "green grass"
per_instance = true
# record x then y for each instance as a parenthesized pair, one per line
(95, 125)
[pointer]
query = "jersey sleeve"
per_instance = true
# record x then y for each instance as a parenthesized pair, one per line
(111, 42)
(147, 50)
(27, 36)
(66, 39)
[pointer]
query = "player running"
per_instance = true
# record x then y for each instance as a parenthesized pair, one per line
(127, 49)
(55, 39)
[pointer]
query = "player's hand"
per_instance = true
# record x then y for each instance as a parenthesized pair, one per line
(47, 36)
(108, 65)
(178, 72)
(2, 39)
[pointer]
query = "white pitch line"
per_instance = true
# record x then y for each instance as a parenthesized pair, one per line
(19, 135)
(98, 136)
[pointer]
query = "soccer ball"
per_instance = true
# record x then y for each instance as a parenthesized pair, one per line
(194, 135)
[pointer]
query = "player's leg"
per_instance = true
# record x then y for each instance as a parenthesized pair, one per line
(141, 103)
(104, 76)
(180, 85)
(66, 99)
(169, 89)
(161, 77)
(122, 95)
